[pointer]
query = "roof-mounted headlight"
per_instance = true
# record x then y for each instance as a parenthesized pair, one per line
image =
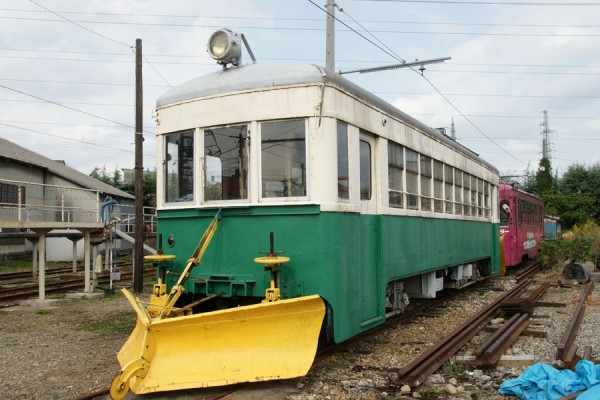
(224, 46)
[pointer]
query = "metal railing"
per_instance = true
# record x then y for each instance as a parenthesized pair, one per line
(34, 202)
(128, 219)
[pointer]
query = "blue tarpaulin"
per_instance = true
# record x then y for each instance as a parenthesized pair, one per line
(543, 382)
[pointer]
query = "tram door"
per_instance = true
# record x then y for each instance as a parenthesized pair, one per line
(370, 265)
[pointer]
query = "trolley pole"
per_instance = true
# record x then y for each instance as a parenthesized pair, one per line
(138, 260)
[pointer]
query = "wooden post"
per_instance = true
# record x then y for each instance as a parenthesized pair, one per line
(138, 278)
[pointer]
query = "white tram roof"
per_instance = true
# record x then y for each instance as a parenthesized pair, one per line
(263, 76)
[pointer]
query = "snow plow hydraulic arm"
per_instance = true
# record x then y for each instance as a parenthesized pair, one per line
(193, 261)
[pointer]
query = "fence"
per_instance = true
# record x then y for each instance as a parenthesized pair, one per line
(35, 202)
(127, 215)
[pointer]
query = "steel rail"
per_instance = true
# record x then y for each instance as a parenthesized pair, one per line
(492, 353)
(19, 276)
(417, 371)
(567, 351)
(529, 271)
(27, 291)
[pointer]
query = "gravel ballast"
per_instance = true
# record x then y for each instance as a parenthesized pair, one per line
(67, 349)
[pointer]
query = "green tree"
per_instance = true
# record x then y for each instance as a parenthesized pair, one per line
(543, 178)
(582, 181)
(101, 175)
(149, 187)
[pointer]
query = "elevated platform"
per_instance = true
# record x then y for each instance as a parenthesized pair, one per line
(50, 225)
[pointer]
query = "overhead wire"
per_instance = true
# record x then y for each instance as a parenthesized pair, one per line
(72, 108)
(68, 107)
(70, 139)
(102, 36)
(310, 29)
(243, 17)
(398, 58)
(502, 3)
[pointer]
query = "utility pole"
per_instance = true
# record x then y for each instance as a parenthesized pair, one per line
(330, 43)
(138, 262)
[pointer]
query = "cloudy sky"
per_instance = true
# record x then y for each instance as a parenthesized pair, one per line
(67, 68)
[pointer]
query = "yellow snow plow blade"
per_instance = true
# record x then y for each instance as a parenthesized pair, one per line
(271, 340)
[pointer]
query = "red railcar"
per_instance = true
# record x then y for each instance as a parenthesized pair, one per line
(521, 223)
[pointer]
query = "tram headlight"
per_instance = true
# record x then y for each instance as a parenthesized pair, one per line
(224, 46)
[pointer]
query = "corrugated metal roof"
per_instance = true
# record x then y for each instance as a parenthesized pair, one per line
(16, 153)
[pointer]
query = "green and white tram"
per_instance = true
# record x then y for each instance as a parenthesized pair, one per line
(371, 207)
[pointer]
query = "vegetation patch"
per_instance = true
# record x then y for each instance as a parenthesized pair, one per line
(579, 245)
(111, 324)
(452, 367)
(7, 267)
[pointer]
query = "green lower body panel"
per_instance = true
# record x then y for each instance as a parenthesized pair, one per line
(346, 258)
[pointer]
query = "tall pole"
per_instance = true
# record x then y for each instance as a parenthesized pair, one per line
(330, 43)
(138, 262)
(545, 131)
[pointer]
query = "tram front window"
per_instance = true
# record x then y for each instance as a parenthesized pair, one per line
(179, 167)
(226, 163)
(283, 158)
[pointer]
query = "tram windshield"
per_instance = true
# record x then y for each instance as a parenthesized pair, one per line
(226, 163)
(179, 167)
(283, 155)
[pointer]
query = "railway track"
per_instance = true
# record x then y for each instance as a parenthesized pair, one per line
(428, 362)
(12, 277)
(64, 285)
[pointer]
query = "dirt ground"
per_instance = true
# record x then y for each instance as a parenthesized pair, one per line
(67, 349)
(62, 349)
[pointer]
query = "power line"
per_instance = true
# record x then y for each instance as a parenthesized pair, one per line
(311, 29)
(451, 63)
(76, 82)
(102, 36)
(516, 72)
(518, 96)
(508, 3)
(81, 26)
(273, 18)
(69, 108)
(506, 116)
(75, 103)
(70, 139)
(396, 57)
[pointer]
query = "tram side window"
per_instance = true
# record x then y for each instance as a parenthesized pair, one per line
(458, 179)
(473, 195)
(226, 163)
(466, 193)
(179, 167)
(425, 183)
(449, 175)
(395, 169)
(365, 170)
(486, 199)
(412, 179)
(342, 161)
(283, 158)
(480, 197)
(520, 212)
(503, 214)
(438, 186)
